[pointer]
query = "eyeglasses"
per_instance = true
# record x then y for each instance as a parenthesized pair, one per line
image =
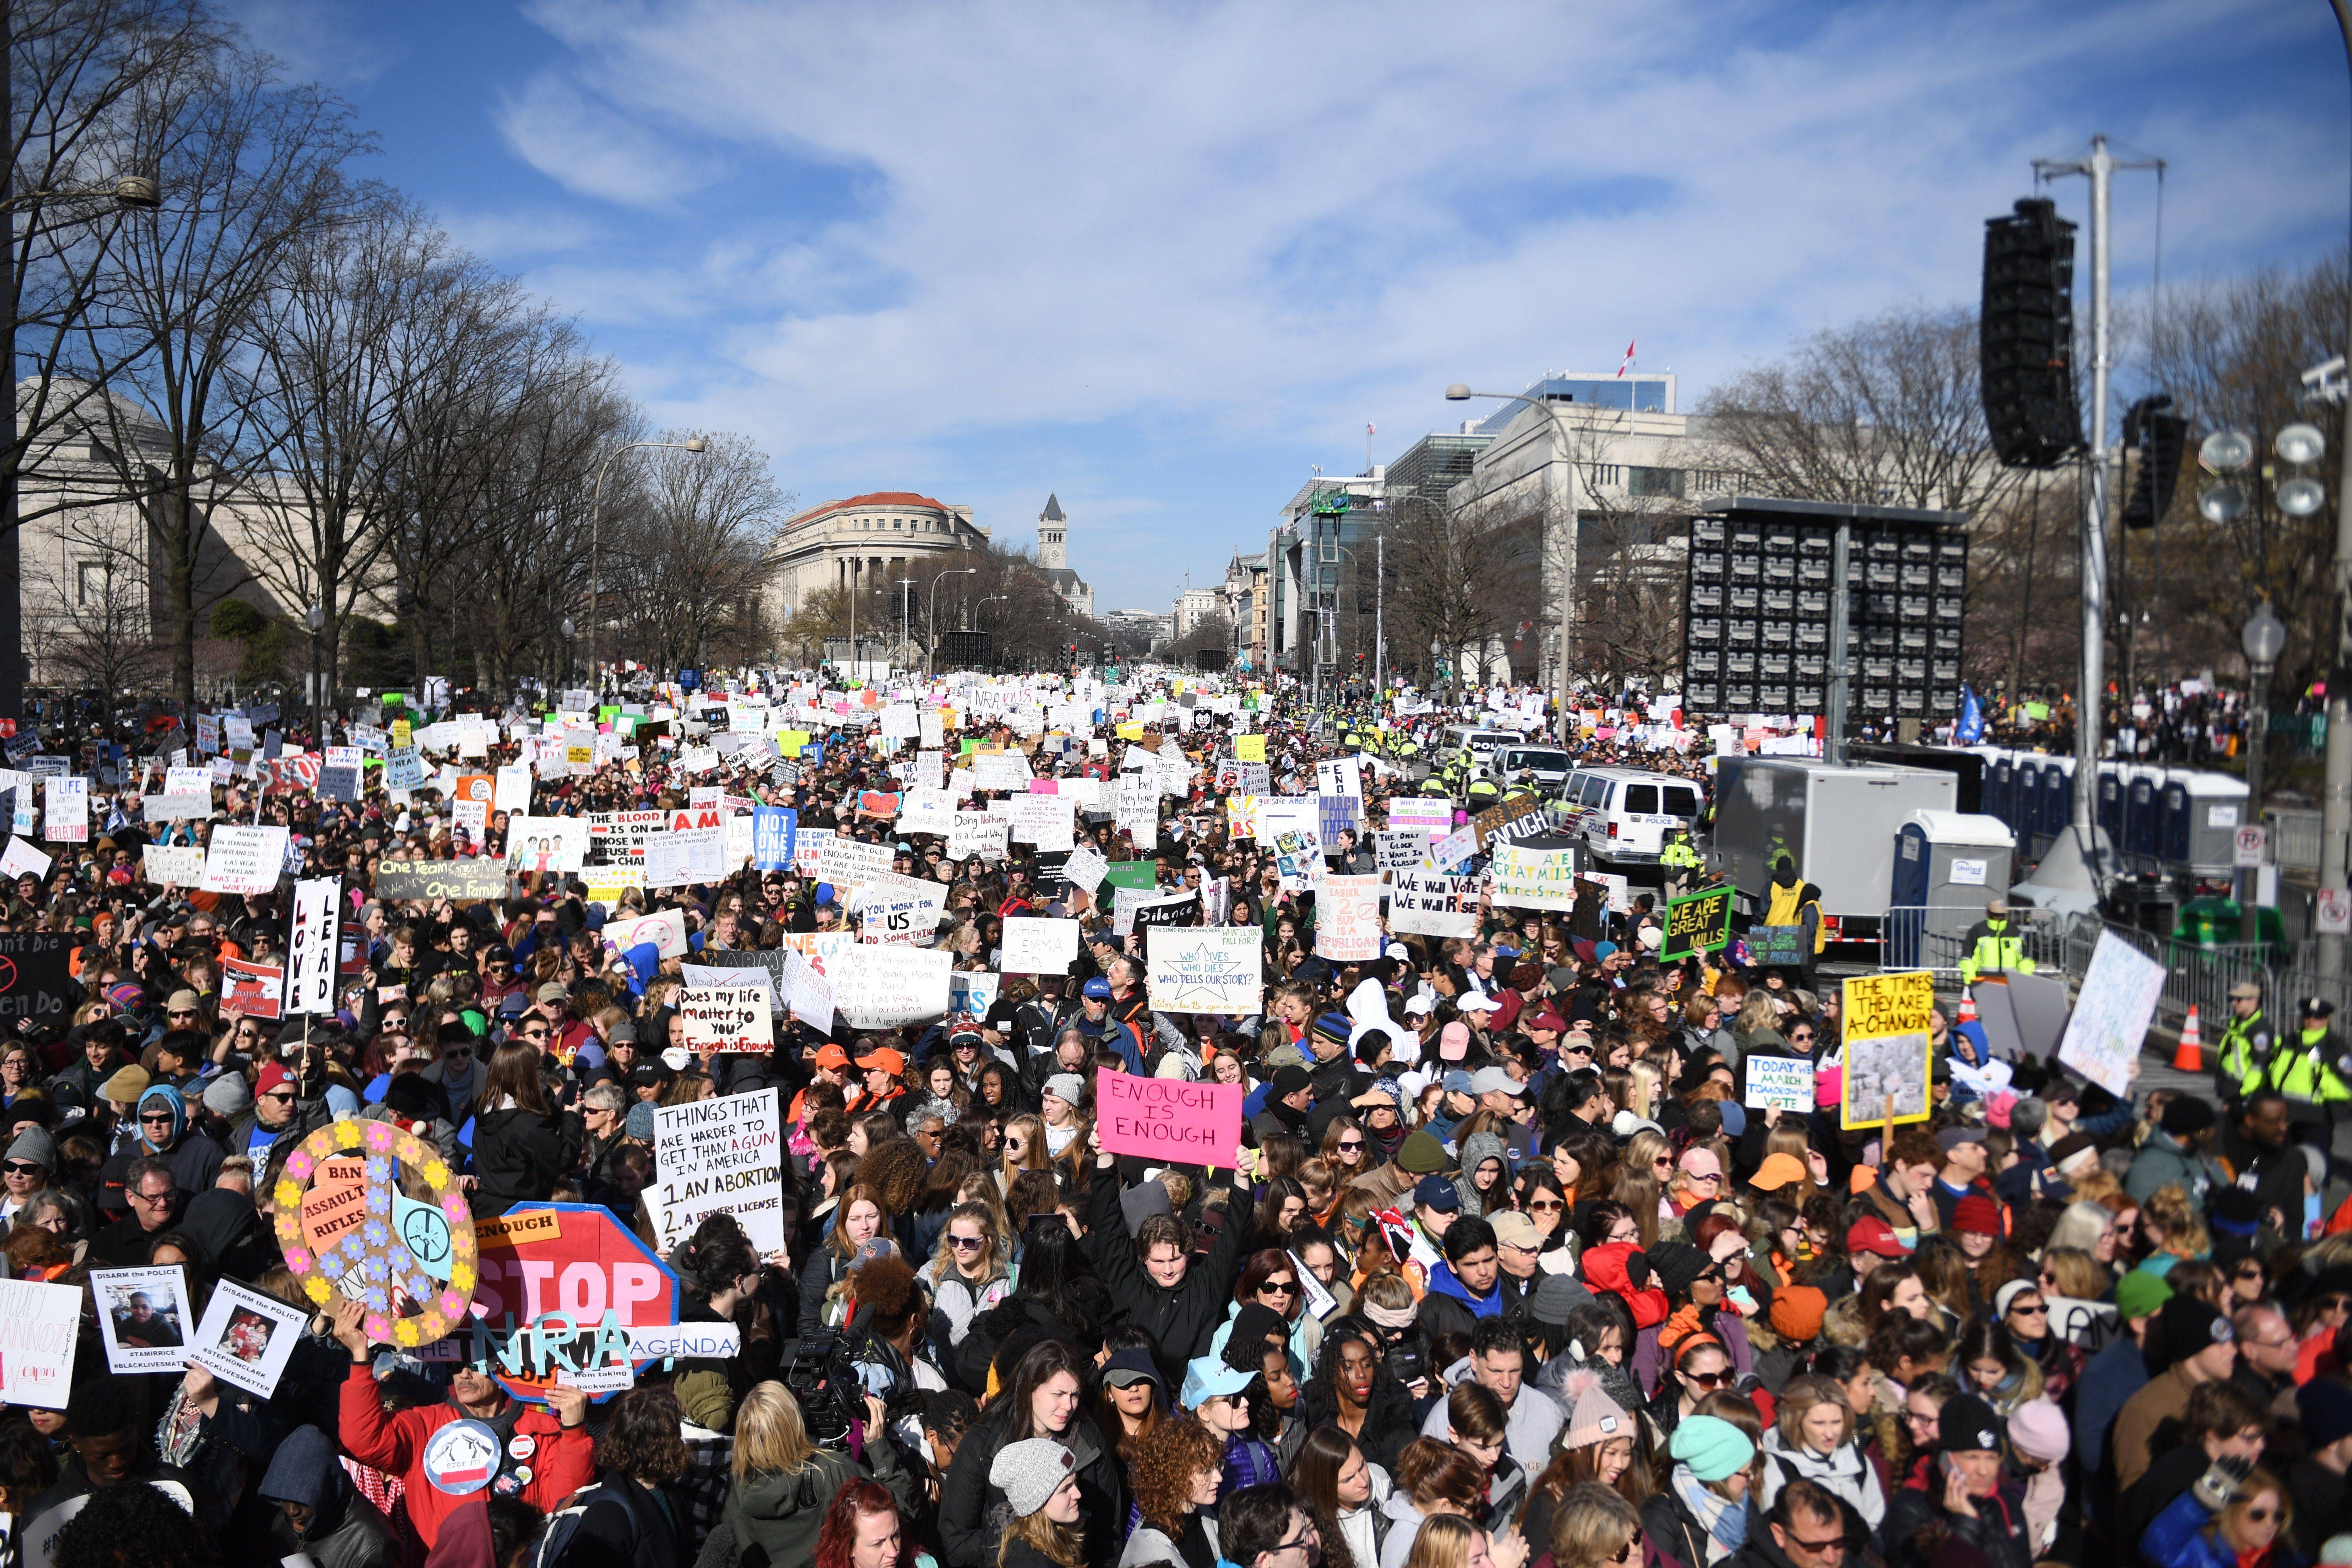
(20, 1168)
(1701, 1178)
(279, 1094)
(1818, 1548)
(966, 1243)
(460, 1054)
(2335, 1303)
(1545, 1206)
(1279, 1288)
(163, 1117)
(1301, 1542)
(2261, 1515)
(2038, 1310)
(1351, 1147)
(154, 1199)
(1708, 1379)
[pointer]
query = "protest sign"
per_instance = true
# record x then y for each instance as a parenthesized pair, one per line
(188, 792)
(1045, 820)
(545, 844)
(1034, 946)
(1696, 922)
(313, 951)
(1420, 812)
(1347, 919)
(1776, 947)
(1341, 777)
(562, 1288)
(892, 908)
(888, 986)
(471, 880)
(725, 1017)
(1505, 814)
(470, 820)
(144, 1317)
(2112, 1011)
(978, 833)
(1212, 969)
(246, 1337)
(680, 859)
(1167, 1120)
(1401, 849)
(720, 1156)
(512, 795)
(772, 830)
(1085, 869)
(246, 859)
(807, 994)
(849, 863)
(1886, 1047)
(665, 929)
(21, 859)
(1777, 1083)
(1454, 849)
(1528, 878)
(1432, 903)
(65, 811)
(38, 1324)
(973, 991)
(172, 866)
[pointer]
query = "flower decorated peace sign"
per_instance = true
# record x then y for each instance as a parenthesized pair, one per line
(349, 1228)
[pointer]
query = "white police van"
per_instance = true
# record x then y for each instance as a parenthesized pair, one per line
(1625, 814)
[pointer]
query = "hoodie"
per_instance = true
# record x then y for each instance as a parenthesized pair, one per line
(345, 1529)
(194, 1158)
(1611, 1266)
(1476, 1149)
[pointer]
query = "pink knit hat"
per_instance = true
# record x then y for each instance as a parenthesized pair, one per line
(2038, 1430)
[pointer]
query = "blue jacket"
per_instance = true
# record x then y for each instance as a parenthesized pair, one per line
(2178, 1539)
(2107, 1384)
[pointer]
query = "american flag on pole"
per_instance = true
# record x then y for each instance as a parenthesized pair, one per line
(1627, 362)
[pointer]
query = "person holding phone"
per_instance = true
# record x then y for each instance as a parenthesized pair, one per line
(1970, 1490)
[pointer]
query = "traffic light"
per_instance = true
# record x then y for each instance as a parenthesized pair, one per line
(2025, 346)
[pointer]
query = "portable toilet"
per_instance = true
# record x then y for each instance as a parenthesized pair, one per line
(2144, 815)
(2000, 788)
(2057, 794)
(1948, 865)
(2202, 815)
(2025, 802)
(2107, 808)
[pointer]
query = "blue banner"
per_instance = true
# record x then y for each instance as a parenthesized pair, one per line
(1970, 728)
(773, 828)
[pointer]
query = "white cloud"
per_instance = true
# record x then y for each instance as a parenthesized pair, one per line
(946, 235)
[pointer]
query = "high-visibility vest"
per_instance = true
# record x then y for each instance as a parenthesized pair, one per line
(2235, 1060)
(2300, 1071)
(1997, 951)
(1678, 853)
(1782, 911)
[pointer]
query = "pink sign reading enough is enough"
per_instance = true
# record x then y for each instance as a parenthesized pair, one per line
(1166, 1120)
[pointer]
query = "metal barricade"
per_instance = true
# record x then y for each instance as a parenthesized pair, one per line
(2294, 837)
(1935, 937)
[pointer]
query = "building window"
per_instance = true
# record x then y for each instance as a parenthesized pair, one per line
(89, 582)
(1663, 482)
(1604, 476)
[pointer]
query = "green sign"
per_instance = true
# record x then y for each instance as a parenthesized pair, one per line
(1777, 947)
(1141, 875)
(1696, 922)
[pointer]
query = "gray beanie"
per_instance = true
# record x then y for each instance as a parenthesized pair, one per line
(640, 1122)
(35, 1145)
(1067, 1087)
(1030, 1472)
(228, 1095)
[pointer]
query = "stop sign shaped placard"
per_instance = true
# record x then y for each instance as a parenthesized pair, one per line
(561, 1286)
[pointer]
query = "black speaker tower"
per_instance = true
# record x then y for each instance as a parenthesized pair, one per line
(2026, 337)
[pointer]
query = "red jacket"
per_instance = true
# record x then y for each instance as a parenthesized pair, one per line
(563, 1461)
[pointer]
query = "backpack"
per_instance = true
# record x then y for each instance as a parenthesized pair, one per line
(563, 1529)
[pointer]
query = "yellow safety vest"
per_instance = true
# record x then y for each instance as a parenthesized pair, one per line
(1782, 909)
(1995, 952)
(2300, 1074)
(2236, 1058)
(1678, 853)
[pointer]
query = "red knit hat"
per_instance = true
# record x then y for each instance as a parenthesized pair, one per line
(1977, 1215)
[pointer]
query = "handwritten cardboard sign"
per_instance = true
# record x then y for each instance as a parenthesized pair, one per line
(1167, 1120)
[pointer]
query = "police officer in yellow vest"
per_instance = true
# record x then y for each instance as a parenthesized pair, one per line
(2310, 1069)
(1680, 861)
(1993, 946)
(1797, 903)
(2244, 1048)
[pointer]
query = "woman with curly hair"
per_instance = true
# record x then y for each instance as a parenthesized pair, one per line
(861, 1523)
(1353, 1393)
(1175, 1473)
(1433, 1481)
(638, 1455)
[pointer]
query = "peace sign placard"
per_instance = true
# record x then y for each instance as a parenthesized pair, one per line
(348, 1229)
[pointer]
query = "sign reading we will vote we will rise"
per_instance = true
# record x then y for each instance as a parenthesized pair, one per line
(1167, 1120)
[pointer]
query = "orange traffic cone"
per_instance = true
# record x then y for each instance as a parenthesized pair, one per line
(2191, 1056)
(1967, 1009)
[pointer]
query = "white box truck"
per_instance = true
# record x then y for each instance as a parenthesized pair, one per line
(1838, 824)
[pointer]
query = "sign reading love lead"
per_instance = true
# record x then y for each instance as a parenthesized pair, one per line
(1166, 1120)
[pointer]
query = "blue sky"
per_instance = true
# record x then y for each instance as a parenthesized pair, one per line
(1163, 259)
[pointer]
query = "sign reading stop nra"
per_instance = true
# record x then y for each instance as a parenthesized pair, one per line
(561, 1287)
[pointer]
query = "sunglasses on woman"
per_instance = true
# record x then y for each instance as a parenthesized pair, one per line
(1545, 1206)
(1279, 1288)
(1708, 1379)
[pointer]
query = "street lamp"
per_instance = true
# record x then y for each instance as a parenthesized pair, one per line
(567, 629)
(316, 619)
(595, 537)
(1458, 393)
(2263, 638)
(932, 625)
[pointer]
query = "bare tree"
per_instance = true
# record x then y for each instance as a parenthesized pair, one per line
(91, 603)
(1467, 581)
(251, 164)
(689, 540)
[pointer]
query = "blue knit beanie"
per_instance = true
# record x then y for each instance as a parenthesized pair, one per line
(1712, 1447)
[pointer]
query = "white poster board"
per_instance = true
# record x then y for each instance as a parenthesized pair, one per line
(1432, 903)
(244, 860)
(1347, 919)
(727, 1017)
(144, 1317)
(720, 1156)
(2112, 1010)
(246, 1336)
(1215, 969)
(1778, 1083)
(1034, 946)
(38, 1327)
(888, 986)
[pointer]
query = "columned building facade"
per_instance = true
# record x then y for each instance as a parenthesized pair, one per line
(862, 543)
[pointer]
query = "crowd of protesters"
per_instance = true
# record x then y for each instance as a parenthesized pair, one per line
(1503, 1270)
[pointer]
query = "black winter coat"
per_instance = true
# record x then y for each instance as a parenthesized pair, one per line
(519, 1155)
(974, 1512)
(1390, 1423)
(1180, 1320)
